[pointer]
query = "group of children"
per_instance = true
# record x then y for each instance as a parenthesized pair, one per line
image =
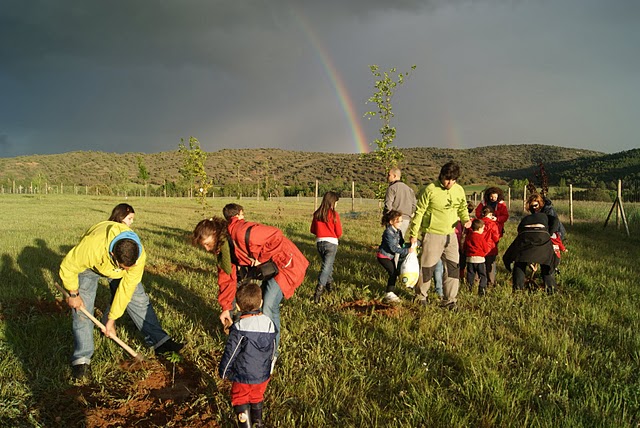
(478, 244)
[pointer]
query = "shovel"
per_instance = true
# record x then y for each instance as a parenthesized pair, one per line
(116, 339)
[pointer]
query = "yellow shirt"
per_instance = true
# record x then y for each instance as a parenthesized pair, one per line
(92, 252)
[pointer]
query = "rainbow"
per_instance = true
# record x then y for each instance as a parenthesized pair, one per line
(452, 136)
(337, 82)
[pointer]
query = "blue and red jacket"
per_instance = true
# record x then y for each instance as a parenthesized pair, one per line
(250, 349)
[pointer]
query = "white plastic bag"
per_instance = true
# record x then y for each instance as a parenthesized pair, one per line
(410, 270)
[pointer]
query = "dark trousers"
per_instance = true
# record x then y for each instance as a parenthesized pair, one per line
(481, 270)
(519, 272)
(390, 266)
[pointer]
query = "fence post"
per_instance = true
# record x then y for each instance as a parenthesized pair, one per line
(315, 199)
(509, 197)
(618, 213)
(524, 197)
(571, 204)
(353, 196)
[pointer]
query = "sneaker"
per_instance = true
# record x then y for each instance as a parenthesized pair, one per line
(81, 371)
(169, 346)
(391, 297)
(328, 287)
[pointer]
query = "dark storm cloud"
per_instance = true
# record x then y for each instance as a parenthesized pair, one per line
(138, 75)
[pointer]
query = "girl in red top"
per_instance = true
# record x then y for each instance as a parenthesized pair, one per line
(494, 198)
(328, 229)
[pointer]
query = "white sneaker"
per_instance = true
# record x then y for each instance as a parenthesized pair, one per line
(391, 297)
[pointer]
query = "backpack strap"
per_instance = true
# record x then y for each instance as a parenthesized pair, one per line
(246, 241)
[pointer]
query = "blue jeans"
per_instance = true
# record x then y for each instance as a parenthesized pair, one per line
(139, 309)
(327, 252)
(437, 277)
(271, 298)
(142, 314)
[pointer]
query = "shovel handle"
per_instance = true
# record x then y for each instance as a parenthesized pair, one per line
(116, 339)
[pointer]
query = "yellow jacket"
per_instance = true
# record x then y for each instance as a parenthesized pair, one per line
(92, 252)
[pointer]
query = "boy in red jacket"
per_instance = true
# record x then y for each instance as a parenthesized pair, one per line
(476, 247)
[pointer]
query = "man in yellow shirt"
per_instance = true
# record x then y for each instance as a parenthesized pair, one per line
(440, 206)
(109, 250)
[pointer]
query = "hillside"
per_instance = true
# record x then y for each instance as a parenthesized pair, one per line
(295, 169)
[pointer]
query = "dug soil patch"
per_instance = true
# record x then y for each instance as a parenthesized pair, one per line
(362, 307)
(160, 399)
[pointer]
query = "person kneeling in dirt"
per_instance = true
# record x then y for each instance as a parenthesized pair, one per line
(248, 356)
(108, 250)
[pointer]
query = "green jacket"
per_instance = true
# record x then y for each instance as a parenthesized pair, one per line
(92, 252)
(438, 210)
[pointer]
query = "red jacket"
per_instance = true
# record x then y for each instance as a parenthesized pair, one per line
(501, 212)
(493, 235)
(476, 244)
(268, 242)
(329, 228)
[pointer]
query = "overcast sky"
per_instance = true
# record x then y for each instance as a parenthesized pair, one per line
(136, 76)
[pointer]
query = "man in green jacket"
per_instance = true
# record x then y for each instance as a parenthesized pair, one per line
(109, 250)
(438, 210)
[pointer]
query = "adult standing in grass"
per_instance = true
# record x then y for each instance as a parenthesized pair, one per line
(440, 206)
(399, 197)
(139, 308)
(533, 245)
(327, 228)
(107, 250)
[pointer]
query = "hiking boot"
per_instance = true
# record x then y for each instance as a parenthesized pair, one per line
(81, 372)
(482, 291)
(391, 297)
(169, 346)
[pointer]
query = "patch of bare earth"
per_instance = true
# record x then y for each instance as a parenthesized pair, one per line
(362, 307)
(160, 399)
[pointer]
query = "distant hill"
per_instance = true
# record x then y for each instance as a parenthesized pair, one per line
(483, 165)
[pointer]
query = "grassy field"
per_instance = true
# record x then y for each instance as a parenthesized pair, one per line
(571, 359)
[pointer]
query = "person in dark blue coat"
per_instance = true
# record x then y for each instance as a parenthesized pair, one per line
(248, 356)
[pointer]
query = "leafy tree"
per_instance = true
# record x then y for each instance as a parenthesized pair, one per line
(143, 174)
(385, 87)
(193, 170)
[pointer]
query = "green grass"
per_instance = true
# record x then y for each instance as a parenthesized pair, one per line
(528, 359)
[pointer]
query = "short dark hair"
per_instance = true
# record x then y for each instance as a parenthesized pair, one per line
(126, 252)
(449, 171)
(388, 216)
(249, 296)
(476, 224)
(487, 210)
(231, 210)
